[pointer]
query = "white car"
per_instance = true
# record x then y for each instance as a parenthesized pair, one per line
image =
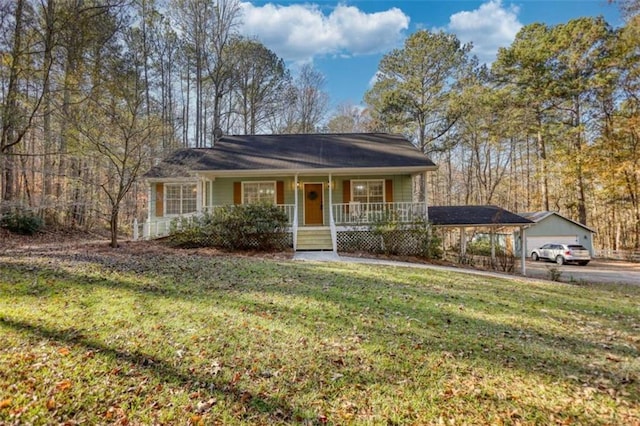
(562, 253)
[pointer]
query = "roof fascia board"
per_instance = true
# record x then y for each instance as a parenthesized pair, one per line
(477, 225)
(314, 172)
(173, 179)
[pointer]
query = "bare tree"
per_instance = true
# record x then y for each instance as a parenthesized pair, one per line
(312, 101)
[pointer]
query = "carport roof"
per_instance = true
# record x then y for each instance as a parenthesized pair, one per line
(474, 216)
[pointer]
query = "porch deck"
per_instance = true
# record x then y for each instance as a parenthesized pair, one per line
(341, 214)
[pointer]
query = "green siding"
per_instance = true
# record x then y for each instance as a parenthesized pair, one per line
(222, 189)
(219, 192)
(401, 186)
(152, 201)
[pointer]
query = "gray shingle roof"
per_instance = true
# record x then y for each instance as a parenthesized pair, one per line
(474, 216)
(541, 215)
(295, 152)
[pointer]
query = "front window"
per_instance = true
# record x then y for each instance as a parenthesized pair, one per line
(258, 192)
(181, 198)
(368, 191)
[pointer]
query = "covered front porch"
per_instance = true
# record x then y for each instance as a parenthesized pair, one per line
(316, 206)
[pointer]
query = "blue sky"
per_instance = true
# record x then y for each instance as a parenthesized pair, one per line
(345, 40)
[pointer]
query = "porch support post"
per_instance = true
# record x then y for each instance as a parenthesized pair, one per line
(295, 199)
(294, 227)
(492, 241)
(149, 202)
(332, 225)
(330, 200)
(523, 251)
(426, 197)
(463, 241)
(199, 193)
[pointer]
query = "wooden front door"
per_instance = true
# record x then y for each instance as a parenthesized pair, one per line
(313, 204)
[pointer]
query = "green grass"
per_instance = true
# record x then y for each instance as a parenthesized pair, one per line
(150, 335)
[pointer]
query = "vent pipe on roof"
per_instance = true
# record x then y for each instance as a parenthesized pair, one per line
(217, 134)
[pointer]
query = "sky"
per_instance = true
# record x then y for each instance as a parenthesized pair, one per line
(345, 40)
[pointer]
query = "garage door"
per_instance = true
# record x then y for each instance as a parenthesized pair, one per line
(535, 242)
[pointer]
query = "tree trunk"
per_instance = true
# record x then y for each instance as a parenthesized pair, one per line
(113, 226)
(542, 160)
(10, 110)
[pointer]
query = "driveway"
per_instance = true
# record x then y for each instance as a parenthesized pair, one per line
(597, 271)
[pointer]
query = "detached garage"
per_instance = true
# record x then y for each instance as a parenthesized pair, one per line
(552, 227)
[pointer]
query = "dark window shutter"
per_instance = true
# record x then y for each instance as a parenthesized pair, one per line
(279, 192)
(388, 189)
(346, 194)
(159, 199)
(346, 191)
(237, 192)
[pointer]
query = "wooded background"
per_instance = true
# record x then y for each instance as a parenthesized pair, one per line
(94, 92)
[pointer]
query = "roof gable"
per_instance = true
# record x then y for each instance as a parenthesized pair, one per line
(295, 153)
(542, 215)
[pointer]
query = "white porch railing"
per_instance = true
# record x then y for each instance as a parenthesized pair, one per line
(353, 213)
(356, 213)
(161, 227)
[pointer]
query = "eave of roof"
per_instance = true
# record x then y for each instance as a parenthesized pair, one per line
(302, 154)
(474, 216)
(542, 215)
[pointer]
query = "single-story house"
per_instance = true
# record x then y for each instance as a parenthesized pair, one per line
(332, 187)
(552, 227)
(325, 183)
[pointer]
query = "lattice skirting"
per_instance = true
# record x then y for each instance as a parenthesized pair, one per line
(400, 242)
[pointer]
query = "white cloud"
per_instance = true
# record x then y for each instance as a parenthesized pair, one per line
(489, 27)
(299, 32)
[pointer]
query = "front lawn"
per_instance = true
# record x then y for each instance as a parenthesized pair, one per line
(150, 335)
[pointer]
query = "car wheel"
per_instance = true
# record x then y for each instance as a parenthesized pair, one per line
(534, 257)
(583, 263)
(560, 260)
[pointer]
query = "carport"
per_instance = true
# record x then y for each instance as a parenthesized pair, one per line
(492, 218)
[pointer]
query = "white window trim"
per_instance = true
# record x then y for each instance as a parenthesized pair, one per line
(181, 185)
(249, 182)
(354, 182)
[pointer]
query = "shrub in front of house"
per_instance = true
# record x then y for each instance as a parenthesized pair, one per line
(238, 227)
(389, 236)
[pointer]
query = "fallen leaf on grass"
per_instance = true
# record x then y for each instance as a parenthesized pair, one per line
(5, 403)
(204, 406)
(51, 404)
(63, 385)
(64, 351)
(196, 420)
